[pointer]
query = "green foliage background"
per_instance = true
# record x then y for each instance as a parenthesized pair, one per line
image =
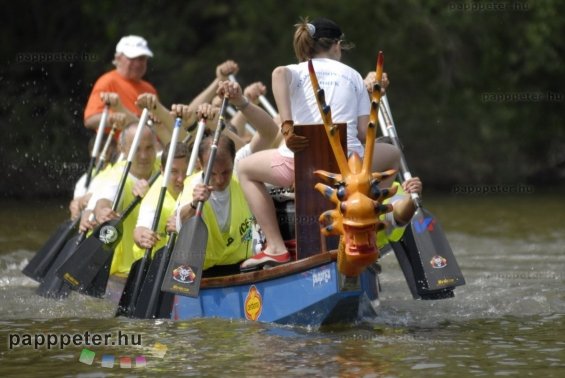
(445, 60)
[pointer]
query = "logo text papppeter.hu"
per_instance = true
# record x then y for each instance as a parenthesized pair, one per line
(62, 340)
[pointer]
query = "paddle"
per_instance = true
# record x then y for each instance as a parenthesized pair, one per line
(165, 300)
(94, 252)
(102, 158)
(97, 143)
(185, 268)
(267, 105)
(232, 112)
(262, 99)
(79, 270)
(53, 286)
(152, 302)
(196, 146)
(423, 252)
(98, 286)
(139, 273)
(39, 265)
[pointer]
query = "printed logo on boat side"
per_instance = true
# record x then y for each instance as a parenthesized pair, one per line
(321, 277)
(438, 262)
(253, 304)
(108, 234)
(184, 274)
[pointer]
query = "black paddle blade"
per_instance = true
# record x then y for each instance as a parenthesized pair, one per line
(126, 298)
(53, 286)
(91, 255)
(44, 258)
(151, 299)
(143, 298)
(185, 268)
(97, 287)
(426, 258)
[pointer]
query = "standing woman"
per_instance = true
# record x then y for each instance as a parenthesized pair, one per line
(322, 41)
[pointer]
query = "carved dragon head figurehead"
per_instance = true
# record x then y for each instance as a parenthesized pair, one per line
(358, 201)
(354, 191)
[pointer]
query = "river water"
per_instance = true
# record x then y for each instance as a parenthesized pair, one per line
(508, 320)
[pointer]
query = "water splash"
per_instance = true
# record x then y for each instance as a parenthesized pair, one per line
(503, 278)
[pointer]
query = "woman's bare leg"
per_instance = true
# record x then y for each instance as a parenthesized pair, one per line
(253, 172)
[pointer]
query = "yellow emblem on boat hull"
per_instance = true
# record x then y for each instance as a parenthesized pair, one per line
(253, 304)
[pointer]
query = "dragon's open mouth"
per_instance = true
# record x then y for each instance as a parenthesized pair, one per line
(360, 240)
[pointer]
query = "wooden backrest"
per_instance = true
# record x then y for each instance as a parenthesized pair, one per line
(309, 203)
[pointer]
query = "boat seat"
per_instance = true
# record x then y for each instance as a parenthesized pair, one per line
(281, 193)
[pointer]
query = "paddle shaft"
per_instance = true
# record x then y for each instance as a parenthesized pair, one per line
(139, 273)
(102, 158)
(196, 145)
(151, 309)
(389, 130)
(213, 152)
(137, 199)
(131, 155)
(96, 147)
(147, 255)
(232, 112)
(267, 105)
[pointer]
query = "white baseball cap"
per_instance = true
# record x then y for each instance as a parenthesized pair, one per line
(133, 46)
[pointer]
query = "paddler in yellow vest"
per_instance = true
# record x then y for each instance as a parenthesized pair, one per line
(226, 212)
(386, 156)
(143, 235)
(143, 166)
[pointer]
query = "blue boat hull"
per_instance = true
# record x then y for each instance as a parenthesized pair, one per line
(314, 297)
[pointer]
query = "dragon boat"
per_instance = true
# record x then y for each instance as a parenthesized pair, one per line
(309, 290)
(320, 285)
(333, 274)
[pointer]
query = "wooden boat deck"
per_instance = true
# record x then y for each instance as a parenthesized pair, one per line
(268, 274)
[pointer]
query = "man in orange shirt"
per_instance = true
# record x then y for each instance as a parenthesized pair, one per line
(126, 80)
